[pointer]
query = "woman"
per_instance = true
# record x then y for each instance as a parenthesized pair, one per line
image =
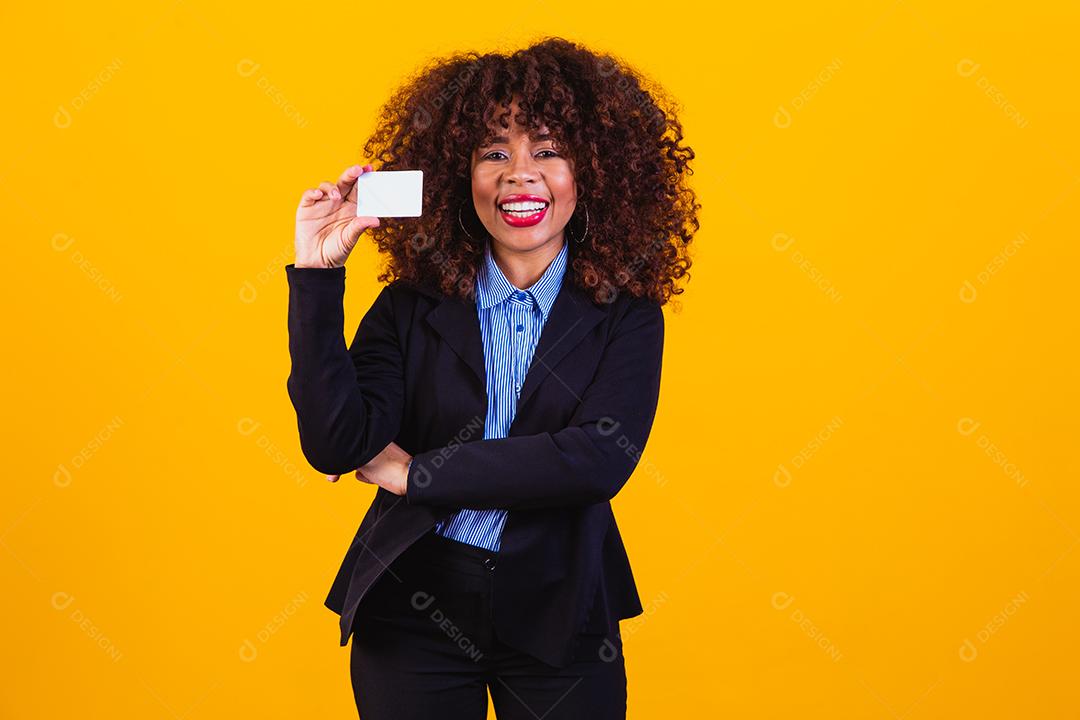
(501, 387)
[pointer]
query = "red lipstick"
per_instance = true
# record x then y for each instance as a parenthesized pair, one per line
(525, 217)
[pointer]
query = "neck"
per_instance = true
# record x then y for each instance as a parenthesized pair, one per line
(524, 267)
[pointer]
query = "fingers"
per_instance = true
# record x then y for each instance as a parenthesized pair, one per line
(330, 189)
(310, 197)
(346, 184)
(359, 476)
(345, 187)
(317, 195)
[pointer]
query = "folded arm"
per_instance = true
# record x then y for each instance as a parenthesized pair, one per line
(587, 462)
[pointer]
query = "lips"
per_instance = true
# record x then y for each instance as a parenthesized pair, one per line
(519, 197)
(521, 210)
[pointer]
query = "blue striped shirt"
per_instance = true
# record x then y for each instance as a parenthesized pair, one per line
(510, 324)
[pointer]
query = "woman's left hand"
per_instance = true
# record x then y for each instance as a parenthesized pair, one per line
(389, 469)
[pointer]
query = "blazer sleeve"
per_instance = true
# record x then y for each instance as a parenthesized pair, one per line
(587, 462)
(348, 401)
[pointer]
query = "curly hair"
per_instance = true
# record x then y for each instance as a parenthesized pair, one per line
(619, 130)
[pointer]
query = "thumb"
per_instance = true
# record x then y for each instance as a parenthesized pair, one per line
(356, 226)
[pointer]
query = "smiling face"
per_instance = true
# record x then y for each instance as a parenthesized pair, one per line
(523, 189)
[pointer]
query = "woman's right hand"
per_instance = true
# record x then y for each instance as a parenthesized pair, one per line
(327, 226)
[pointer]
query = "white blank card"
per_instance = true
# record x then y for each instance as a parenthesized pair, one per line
(390, 193)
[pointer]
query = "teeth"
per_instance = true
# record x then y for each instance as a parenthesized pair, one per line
(529, 207)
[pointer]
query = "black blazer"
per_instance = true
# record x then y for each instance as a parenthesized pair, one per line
(414, 374)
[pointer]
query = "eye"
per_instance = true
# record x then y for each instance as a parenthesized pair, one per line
(489, 156)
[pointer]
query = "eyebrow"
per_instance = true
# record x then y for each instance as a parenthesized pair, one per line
(504, 139)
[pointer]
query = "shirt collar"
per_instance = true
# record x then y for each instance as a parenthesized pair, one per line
(492, 287)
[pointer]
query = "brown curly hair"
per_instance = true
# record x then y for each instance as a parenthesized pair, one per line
(621, 135)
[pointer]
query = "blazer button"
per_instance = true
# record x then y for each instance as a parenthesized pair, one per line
(489, 563)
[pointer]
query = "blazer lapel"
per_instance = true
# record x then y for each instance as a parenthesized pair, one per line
(457, 322)
(573, 315)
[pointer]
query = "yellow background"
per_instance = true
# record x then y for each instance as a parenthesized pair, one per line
(859, 499)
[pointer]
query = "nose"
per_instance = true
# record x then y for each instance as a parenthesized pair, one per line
(522, 169)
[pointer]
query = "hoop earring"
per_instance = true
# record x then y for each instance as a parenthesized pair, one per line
(570, 231)
(463, 224)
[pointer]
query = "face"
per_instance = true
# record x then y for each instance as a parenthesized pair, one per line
(523, 188)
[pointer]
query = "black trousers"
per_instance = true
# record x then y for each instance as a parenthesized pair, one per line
(423, 647)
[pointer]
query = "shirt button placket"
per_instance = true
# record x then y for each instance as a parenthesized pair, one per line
(520, 326)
